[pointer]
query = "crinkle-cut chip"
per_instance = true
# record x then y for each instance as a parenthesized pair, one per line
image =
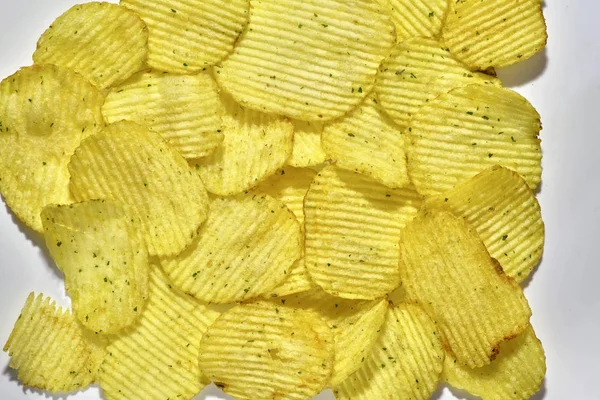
(469, 129)
(417, 71)
(45, 112)
(496, 33)
(516, 374)
(50, 350)
(297, 281)
(128, 163)
(507, 216)
(104, 42)
(266, 350)
(405, 362)
(414, 18)
(307, 151)
(157, 358)
(243, 250)
(446, 268)
(311, 60)
(186, 36)
(184, 109)
(367, 141)
(353, 225)
(255, 146)
(104, 259)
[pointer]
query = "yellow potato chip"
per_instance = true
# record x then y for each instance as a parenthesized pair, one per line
(497, 33)
(265, 350)
(184, 109)
(104, 259)
(415, 18)
(353, 224)
(128, 163)
(307, 151)
(50, 350)
(157, 358)
(469, 129)
(367, 141)
(446, 268)
(187, 36)
(103, 42)
(516, 374)
(310, 60)
(405, 362)
(507, 216)
(45, 112)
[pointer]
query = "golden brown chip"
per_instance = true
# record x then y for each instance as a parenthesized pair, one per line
(307, 151)
(415, 18)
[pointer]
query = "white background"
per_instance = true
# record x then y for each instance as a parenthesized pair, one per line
(563, 83)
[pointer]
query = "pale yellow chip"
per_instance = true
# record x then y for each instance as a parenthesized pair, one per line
(103, 42)
(446, 268)
(128, 163)
(188, 36)
(265, 350)
(50, 350)
(307, 151)
(469, 129)
(353, 225)
(184, 109)
(104, 259)
(414, 18)
(310, 60)
(45, 112)
(157, 359)
(368, 142)
(507, 216)
(405, 362)
(497, 33)
(516, 374)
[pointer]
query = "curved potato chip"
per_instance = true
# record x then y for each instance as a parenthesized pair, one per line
(265, 350)
(184, 109)
(128, 163)
(414, 18)
(310, 60)
(45, 112)
(469, 129)
(103, 42)
(307, 151)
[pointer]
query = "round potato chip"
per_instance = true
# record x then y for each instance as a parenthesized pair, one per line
(307, 151)
(415, 18)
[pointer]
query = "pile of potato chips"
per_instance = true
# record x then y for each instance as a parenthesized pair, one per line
(347, 180)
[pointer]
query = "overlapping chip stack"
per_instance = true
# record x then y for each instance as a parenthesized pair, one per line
(297, 163)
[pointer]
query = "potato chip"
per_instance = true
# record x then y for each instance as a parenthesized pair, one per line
(469, 129)
(187, 36)
(405, 362)
(415, 18)
(307, 151)
(368, 142)
(507, 216)
(103, 42)
(50, 350)
(264, 350)
(158, 357)
(243, 250)
(45, 112)
(184, 109)
(353, 224)
(311, 60)
(446, 268)
(104, 259)
(128, 163)
(517, 373)
(497, 33)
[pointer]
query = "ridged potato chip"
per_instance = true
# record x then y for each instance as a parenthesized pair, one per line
(50, 350)
(353, 225)
(104, 259)
(446, 269)
(157, 358)
(414, 18)
(469, 129)
(307, 151)
(184, 109)
(128, 163)
(405, 362)
(265, 350)
(103, 42)
(311, 60)
(507, 216)
(45, 112)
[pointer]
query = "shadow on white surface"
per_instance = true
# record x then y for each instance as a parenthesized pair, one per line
(524, 72)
